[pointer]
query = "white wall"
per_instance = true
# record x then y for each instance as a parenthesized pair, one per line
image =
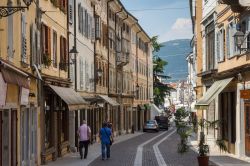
(85, 47)
(207, 7)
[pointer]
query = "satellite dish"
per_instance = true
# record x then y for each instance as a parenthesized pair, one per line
(245, 3)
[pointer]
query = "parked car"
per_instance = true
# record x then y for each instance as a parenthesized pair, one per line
(162, 121)
(151, 125)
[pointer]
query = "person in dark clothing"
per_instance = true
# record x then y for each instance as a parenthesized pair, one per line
(84, 134)
(105, 136)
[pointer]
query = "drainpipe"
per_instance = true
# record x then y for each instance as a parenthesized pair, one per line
(109, 1)
(116, 47)
(95, 65)
(121, 49)
(137, 61)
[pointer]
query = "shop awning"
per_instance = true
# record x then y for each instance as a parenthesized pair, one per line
(109, 100)
(212, 92)
(141, 107)
(155, 108)
(13, 75)
(70, 97)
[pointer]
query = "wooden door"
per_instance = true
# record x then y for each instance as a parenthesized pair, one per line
(1, 138)
(247, 128)
(13, 137)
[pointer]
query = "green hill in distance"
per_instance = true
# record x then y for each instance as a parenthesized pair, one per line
(175, 53)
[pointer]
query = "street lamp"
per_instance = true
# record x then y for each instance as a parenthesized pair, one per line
(74, 52)
(239, 37)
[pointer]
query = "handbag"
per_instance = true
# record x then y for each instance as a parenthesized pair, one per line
(110, 139)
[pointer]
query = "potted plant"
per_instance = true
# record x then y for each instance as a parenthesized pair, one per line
(203, 148)
(184, 130)
(46, 60)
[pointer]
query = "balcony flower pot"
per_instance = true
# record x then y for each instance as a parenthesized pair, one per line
(203, 160)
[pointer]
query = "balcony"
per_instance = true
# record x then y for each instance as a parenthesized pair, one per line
(122, 58)
(234, 4)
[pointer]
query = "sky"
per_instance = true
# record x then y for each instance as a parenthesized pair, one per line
(169, 19)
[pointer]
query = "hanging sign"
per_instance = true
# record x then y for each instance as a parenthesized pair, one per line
(24, 100)
(3, 87)
(245, 94)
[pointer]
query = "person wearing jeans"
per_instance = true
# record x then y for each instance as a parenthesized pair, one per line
(105, 135)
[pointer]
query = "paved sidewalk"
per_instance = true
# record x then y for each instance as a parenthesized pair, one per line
(220, 159)
(94, 152)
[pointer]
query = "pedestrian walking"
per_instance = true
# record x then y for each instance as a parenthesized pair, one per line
(84, 134)
(106, 140)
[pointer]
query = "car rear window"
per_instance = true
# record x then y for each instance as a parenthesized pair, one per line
(150, 122)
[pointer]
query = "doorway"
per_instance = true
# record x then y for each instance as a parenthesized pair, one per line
(247, 128)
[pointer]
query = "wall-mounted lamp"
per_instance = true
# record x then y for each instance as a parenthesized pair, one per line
(99, 74)
(239, 38)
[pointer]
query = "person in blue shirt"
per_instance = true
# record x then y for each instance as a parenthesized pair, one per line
(105, 136)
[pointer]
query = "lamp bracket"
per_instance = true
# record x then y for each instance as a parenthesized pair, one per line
(6, 11)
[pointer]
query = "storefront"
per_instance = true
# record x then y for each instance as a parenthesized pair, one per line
(59, 101)
(14, 85)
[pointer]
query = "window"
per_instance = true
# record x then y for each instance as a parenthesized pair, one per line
(54, 49)
(220, 45)
(63, 53)
(232, 49)
(210, 40)
(46, 44)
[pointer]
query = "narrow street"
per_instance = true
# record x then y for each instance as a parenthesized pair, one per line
(127, 153)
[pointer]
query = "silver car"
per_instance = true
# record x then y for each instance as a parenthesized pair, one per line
(151, 125)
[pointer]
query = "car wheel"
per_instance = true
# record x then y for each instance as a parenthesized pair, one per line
(144, 130)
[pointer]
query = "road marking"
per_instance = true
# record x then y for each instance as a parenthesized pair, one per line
(138, 157)
(158, 155)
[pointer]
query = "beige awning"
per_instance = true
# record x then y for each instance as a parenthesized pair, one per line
(70, 97)
(212, 92)
(109, 100)
(13, 75)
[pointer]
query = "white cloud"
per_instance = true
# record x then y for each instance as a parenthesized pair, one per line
(181, 29)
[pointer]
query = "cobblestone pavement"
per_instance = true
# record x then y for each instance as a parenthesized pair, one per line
(168, 149)
(123, 154)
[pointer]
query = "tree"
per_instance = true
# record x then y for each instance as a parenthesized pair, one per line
(160, 89)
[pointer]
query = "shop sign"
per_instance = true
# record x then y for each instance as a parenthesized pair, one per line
(3, 87)
(245, 94)
(24, 100)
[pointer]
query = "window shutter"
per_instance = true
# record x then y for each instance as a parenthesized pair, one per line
(83, 22)
(23, 40)
(92, 29)
(97, 27)
(86, 24)
(49, 42)
(228, 41)
(218, 45)
(222, 53)
(10, 37)
(33, 50)
(81, 73)
(79, 17)
(89, 26)
(71, 11)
